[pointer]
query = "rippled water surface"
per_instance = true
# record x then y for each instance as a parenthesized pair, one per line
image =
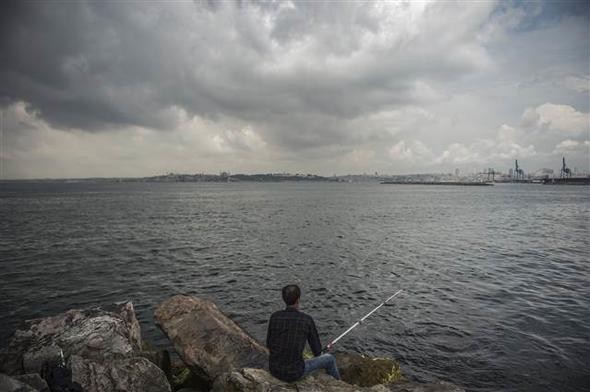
(496, 279)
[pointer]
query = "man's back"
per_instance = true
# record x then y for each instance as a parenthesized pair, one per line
(288, 330)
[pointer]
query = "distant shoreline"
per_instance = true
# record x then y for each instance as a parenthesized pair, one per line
(401, 179)
(453, 183)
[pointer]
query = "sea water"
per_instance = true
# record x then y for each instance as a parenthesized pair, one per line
(496, 279)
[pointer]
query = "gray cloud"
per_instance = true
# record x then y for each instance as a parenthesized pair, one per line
(93, 64)
(295, 80)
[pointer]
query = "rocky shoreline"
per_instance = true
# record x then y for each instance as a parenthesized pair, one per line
(101, 350)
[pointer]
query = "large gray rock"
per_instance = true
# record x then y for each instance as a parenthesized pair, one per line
(208, 341)
(127, 374)
(100, 347)
(34, 359)
(91, 333)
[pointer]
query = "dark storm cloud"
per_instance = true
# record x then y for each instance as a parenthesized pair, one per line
(82, 65)
(99, 65)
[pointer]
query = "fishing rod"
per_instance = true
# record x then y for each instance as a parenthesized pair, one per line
(353, 326)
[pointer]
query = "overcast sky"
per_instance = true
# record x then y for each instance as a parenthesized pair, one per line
(122, 88)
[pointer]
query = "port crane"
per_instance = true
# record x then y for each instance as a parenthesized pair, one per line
(565, 171)
(518, 172)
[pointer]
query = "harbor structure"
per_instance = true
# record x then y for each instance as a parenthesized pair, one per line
(565, 171)
(518, 172)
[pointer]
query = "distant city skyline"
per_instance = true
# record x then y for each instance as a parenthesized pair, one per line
(119, 89)
(457, 172)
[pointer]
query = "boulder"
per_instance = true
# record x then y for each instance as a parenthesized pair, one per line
(365, 371)
(91, 333)
(34, 359)
(101, 348)
(135, 374)
(207, 340)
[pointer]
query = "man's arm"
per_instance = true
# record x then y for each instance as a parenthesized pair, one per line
(314, 340)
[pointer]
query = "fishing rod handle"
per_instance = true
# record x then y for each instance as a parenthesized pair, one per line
(329, 347)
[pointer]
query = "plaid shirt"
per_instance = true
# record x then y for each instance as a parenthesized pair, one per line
(288, 330)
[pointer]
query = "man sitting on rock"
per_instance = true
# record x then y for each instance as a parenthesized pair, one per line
(288, 330)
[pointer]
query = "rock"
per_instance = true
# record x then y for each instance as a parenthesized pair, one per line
(365, 371)
(33, 360)
(207, 340)
(258, 380)
(9, 384)
(101, 349)
(92, 333)
(33, 380)
(134, 374)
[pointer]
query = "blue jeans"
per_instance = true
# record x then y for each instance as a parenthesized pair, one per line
(324, 361)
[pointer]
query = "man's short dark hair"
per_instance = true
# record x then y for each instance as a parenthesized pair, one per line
(291, 294)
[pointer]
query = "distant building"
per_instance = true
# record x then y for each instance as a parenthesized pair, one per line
(457, 172)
